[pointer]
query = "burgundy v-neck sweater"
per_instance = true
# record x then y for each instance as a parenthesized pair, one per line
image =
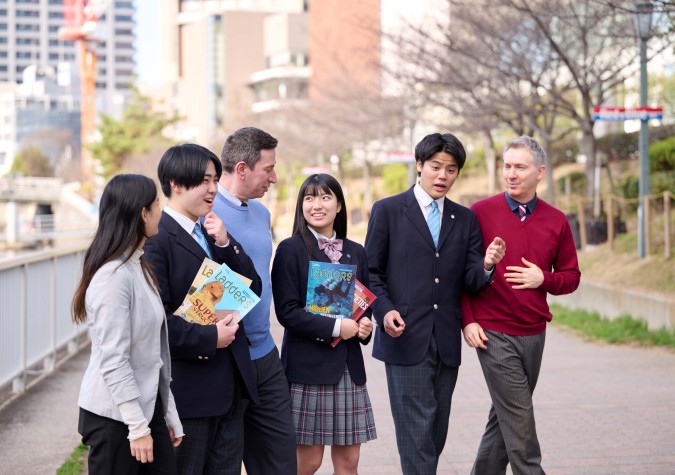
(544, 239)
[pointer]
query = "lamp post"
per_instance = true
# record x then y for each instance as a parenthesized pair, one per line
(643, 26)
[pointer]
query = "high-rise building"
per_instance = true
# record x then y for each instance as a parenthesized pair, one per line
(29, 36)
(210, 49)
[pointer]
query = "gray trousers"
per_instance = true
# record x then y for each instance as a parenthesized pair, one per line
(511, 367)
(420, 397)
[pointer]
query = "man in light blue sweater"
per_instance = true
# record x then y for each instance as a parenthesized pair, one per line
(248, 159)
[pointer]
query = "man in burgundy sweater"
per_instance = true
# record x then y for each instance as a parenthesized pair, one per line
(506, 322)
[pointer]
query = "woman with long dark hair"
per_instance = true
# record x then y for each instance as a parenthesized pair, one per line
(127, 413)
(329, 399)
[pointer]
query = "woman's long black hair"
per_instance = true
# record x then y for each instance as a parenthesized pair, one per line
(120, 232)
(312, 186)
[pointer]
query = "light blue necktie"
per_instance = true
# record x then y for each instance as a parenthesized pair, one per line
(434, 222)
(201, 239)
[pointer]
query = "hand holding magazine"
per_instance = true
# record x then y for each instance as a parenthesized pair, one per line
(217, 291)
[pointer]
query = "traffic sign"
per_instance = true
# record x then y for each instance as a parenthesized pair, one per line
(627, 113)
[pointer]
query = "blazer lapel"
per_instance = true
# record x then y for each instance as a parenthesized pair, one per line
(447, 222)
(182, 238)
(411, 209)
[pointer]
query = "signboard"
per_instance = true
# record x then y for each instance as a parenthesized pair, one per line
(627, 113)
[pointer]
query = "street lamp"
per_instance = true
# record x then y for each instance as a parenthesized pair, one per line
(643, 26)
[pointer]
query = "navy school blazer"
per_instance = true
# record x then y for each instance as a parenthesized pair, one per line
(206, 380)
(306, 353)
(409, 274)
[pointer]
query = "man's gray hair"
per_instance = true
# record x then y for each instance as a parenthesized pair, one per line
(525, 141)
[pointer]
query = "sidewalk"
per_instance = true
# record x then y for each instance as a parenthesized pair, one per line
(600, 409)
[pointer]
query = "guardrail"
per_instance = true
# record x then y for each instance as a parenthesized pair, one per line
(36, 329)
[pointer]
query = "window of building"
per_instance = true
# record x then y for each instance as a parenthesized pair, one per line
(26, 41)
(3, 12)
(28, 1)
(124, 5)
(123, 32)
(27, 14)
(124, 45)
(55, 14)
(3, 26)
(123, 18)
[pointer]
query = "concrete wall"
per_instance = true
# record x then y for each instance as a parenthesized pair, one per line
(611, 302)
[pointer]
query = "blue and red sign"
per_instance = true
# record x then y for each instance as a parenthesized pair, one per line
(627, 113)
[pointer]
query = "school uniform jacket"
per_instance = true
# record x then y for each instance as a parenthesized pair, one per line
(306, 353)
(206, 380)
(423, 283)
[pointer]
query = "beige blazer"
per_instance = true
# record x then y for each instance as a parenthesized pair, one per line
(129, 344)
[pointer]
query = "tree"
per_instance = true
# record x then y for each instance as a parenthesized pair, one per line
(137, 133)
(32, 162)
(528, 63)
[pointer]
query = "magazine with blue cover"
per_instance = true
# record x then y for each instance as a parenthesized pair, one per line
(330, 289)
(222, 294)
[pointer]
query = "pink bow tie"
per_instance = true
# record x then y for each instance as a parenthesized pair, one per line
(332, 248)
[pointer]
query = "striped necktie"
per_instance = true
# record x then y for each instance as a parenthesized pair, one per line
(522, 212)
(434, 222)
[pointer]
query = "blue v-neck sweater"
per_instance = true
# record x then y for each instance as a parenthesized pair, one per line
(250, 225)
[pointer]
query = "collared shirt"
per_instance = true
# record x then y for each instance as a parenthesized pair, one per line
(229, 196)
(187, 224)
(424, 200)
(513, 204)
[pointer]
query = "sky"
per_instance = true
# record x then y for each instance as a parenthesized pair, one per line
(147, 42)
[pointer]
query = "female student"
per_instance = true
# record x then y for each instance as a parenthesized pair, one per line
(330, 403)
(127, 413)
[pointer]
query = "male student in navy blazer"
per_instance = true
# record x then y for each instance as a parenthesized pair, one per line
(417, 279)
(211, 366)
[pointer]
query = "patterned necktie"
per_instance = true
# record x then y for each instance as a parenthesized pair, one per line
(332, 248)
(201, 239)
(522, 212)
(434, 222)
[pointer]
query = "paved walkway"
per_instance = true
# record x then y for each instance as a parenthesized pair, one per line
(600, 409)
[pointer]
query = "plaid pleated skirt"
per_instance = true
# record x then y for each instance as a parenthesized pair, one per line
(332, 414)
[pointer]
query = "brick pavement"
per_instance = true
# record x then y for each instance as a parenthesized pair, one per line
(600, 409)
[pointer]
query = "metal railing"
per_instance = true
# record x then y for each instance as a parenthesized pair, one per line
(36, 329)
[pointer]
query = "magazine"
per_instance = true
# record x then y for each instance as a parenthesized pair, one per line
(216, 292)
(330, 289)
(363, 298)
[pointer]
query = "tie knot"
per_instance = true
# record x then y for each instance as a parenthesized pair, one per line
(434, 204)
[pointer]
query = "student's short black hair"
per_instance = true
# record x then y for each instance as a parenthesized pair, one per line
(185, 165)
(434, 143)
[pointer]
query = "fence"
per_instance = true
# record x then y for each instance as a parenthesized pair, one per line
(617, 211)
(36, 329)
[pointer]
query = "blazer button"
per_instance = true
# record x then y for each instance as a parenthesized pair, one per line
(435, 306)
(436, 280)
(437, 255)
(200, 357)
(206, 357)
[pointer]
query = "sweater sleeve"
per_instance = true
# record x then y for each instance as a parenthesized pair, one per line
(564, 276)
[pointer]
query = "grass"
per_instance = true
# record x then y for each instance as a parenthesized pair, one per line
(621, 330)
(75, 465)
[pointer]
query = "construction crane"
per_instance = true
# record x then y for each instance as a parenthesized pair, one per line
(80, 18)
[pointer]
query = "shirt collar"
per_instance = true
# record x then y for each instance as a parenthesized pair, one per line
(182, 220)
(425, 200)
(136, 256)
(513, 204)
(229, 196)
(317, 235)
